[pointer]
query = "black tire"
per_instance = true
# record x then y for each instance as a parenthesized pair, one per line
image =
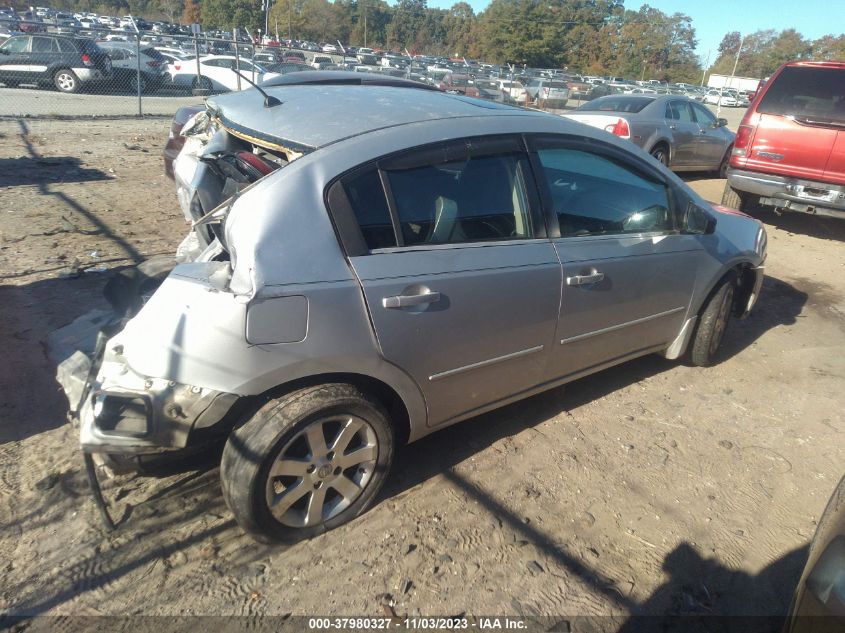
(734, 199)
(723, 166)
(66, 81)
(202, 83)
(661, 153)
(713, 323)
(280, 427)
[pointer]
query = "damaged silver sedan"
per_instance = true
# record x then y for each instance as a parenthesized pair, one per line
(369, 264)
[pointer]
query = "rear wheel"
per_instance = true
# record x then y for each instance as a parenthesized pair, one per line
(661, 153)
(307, 462)
(66, 80)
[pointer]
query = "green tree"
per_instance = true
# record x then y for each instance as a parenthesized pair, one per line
(829, 47)
(227, 14)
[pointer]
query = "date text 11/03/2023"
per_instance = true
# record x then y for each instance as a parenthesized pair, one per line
(418, 623)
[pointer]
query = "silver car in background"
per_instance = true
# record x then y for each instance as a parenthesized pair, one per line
(679, 132)
(374, 263)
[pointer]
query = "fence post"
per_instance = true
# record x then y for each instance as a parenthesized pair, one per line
(237, 55)
(138, 60)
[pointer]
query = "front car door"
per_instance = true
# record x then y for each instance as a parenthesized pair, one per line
(684, 131)
(628, 272)
(712, 140)
(462, 284)
(14, 59)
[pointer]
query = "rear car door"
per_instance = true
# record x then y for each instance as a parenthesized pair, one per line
(628, 273)
(712, 140)
(684, 131)
(462, 285)
(44, 54)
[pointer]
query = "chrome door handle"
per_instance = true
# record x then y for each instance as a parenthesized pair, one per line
(582, 280)
(407, 301)
(673, 126)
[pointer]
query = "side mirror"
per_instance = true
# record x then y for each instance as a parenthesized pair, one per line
(697, 221)
(721, 123)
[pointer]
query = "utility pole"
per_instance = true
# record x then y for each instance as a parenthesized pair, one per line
(290, 14)
(266, 18)
(731, 79)
(706, 64)
(365, 24)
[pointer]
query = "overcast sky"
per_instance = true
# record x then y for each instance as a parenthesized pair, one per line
(713, 18)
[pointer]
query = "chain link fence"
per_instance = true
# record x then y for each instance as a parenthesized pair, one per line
(58, 71)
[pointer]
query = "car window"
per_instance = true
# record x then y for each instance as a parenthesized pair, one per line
(44, 45)
(807, 92)
(617, 104)
(679, 111)
(703, 115)
(366, 197)
(594, 195)
(66, 47)
(477, 199)
(16, 45)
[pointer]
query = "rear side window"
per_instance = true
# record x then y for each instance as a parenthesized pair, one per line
(814, 93)
(366, 197)
(593, 195)
(44, 45)
(66, 46)
(679, 111)
(479, 199)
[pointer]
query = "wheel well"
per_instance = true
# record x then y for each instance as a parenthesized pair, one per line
(662, 144)
(244, 408)
(745, 286)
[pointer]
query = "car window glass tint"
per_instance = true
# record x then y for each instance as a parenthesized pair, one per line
(66, 47)
(593, 195)
(703, 115)
(16, 45)
(42, 45)
(478, 199)
(366, 196)
(679, 111)
(807, 92)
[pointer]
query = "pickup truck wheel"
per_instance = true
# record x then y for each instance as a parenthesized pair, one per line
(734, 199)
(66, 80)
(307, 462)
(712, 323)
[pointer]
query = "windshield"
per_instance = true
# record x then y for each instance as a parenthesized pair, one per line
(813, 93)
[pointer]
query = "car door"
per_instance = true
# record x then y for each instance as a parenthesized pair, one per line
(628, 273)
(44, 54)
(462, 285)
(712, 140)
(684, 132)
(14, 59)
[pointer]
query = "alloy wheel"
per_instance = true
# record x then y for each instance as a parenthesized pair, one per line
(321, 471)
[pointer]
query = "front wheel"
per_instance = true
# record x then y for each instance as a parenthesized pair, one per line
(307, 462)
(66, 81)
(713, 323)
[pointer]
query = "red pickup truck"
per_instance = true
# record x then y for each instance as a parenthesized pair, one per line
(789, 152)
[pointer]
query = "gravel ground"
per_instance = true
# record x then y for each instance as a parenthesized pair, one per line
(650, 488)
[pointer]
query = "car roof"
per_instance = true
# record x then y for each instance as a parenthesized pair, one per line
(314, 115)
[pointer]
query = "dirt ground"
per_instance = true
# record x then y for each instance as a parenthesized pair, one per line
(650, 488)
